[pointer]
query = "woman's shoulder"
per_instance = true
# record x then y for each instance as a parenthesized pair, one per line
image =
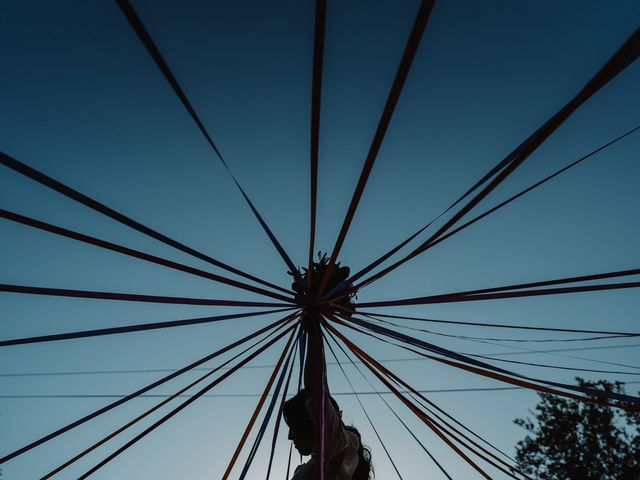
(304, 471)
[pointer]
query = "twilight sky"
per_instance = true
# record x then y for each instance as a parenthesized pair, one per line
(82, 102)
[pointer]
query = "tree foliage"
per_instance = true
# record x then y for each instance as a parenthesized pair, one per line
(573, 440)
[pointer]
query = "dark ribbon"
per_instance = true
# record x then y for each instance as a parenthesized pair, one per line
(186, 403)
(289, 462)
(445, 426)
(351, 280)
(559, 367)
(369, 363)
(130, 297)
(276, 428)
(450, 298)
(156, 407)
(133, 328)
(535, 185)
(497, 339)
(413, 42)
(498, 325)
(543, 365)
(142, 390)
(364, 410)
(623, 57)
(267, 416)
(32, 222)
(316, 92)
(555, 281)
(144, 36)
(69, 192)
(263, 398)
(483, 366)
(444, 472)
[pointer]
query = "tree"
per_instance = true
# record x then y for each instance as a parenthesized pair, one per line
(573, 440)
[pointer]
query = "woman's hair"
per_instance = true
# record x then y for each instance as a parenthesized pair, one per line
(296, 414)
(364, 471)
(299, 419)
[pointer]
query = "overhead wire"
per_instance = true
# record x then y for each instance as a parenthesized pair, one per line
(387, 360)
(253, 395)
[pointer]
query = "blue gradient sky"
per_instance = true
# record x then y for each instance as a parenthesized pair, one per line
(82, 102)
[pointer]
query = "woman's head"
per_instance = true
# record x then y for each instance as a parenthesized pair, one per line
(300, 423)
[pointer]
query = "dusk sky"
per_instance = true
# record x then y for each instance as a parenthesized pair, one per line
(81, 101)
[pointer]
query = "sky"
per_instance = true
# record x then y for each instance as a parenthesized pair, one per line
(82, 102)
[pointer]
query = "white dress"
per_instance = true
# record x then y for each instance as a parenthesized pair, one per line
(342, 449)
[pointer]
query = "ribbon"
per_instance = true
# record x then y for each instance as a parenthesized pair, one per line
(32, 222)
(130, 297)
(144, 36)
(156, 407)
(69, 192)
(486, 369)
(254, 416)
(364, 410)
(444, 472)
(413, 42)
(133, 328)
(186, 403)
(623, 57)
(142, 390)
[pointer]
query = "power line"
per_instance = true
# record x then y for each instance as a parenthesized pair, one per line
(576, 349)
(388, 360)
(253, 395)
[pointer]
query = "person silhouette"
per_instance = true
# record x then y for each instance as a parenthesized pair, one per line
(347, 458)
